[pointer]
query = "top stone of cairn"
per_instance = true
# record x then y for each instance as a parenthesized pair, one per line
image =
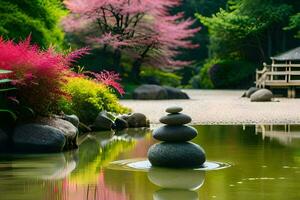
(174, 109)
(175, 118)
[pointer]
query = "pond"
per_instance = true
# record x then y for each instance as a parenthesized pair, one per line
(265, 164)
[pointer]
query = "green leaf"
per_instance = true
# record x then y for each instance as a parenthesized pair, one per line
(2, 71)
(7, 89)
(6, 80)
(12, 114)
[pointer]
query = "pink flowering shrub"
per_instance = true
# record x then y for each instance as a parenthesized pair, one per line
(108, 78)
(37, 74)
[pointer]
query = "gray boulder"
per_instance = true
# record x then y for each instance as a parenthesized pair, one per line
(73, 119)
(176, 155)
(67, 128)
(120, 124)
(175, 133)
(148, 92)
(250, 91)
(38, 138)
(261, 95)
(137, 120)
(156, 92)
(175, 93)
(103, 122)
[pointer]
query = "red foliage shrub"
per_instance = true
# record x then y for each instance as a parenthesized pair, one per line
(37, 74)
(108, 78)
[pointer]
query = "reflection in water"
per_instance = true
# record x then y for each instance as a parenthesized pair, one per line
(177, 178)
(170, 194)
(43, 167)
(283, 133)
(262, 169)
(176, 183)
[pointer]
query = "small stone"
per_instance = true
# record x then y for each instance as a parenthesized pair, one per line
(175, 133)
(102, 122)
(73, 119)
(137, 120)
(120, 124)
(176, 155)
(175, 119)
(174, 109)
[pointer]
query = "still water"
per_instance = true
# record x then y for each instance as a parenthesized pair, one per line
(265, 164)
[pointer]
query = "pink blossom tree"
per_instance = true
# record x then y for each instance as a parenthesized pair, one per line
(142, 29)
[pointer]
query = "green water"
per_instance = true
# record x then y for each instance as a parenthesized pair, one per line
(265, 165)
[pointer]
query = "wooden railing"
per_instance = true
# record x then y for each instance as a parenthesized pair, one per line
(273, 75)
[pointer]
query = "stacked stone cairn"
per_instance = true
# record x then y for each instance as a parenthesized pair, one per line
(175, 150)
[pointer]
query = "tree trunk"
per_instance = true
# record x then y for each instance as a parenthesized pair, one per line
(136, 69)
(117, 60)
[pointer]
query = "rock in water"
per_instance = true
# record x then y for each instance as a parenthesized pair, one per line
(68, 129)
(102, 122)
(38, 138)
(120, 124)
(137, 120)
(261, 96)
(176, 155)
(174, 109)
(175, 133)
(176, 119)
(73, 119)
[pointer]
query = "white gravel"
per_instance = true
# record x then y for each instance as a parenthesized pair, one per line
(222, 107)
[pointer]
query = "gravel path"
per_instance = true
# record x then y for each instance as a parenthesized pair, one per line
(222, 107)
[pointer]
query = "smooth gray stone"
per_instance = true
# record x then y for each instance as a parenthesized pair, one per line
(175, 119)
(68, 129)
(38, 138)
(261, 96)
(150, 92)
(120, 124)
(174, 109)
(176, 155)
(185, 179)
(73, 119)
(175, 93)
(175, 133)
(137, 120)
(103, 122)
(250, 91)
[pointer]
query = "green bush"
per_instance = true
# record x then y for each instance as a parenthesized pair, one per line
(40, 18)
(202, 80)
(227, 74)
(88, 98)
(160, 77)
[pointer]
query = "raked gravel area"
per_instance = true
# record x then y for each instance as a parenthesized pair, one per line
(222, 107)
